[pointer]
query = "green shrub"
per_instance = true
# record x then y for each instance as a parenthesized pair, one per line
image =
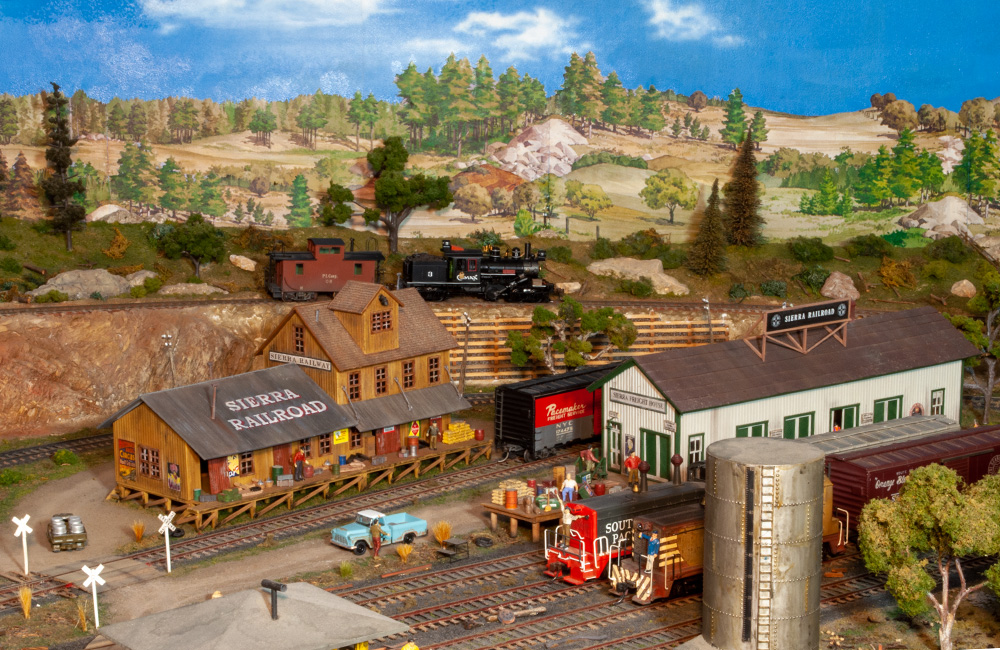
(6, 243)
(872, 245)
(603, 249)
(561, 254)
(65, 457)
(938, 269)
(53, 296)
(776, 288)
(42, 227)
(672, 258)
(11, 476)
(346, 569)
(485, 237)
(10, 265)
(161, 230)
(950, 248)
(739, 291)
(641, 288)
(96, 295)
(810, 249)
(986, 272)
(152, 285)
(813, 277)
(606, 157)
(194, 279)
(524, 224)
(137, 292)
(644, 244)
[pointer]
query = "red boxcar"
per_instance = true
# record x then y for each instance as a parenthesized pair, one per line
(879, 472)
(324, 268)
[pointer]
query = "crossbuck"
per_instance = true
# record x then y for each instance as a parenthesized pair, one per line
(93, 579)
(23, 530)
(165, 529)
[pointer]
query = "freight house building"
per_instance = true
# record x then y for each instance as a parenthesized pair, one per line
(680, 401)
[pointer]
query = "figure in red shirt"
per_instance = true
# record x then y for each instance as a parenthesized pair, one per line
(299, 460)
(632, 465)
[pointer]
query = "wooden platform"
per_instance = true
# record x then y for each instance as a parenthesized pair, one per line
(520, 514)
(209, 514)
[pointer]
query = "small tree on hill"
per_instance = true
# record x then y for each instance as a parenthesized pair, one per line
(934, 520)
(569, 332)
(592, 199)
(67, 214)
(300, 207)
(333, 208)
(697, 100)
(735, 127)
(474, 200)
(195, 239)
(984, 333)
(707, 254)
(669, 189)
(758, 128)
(742, 200)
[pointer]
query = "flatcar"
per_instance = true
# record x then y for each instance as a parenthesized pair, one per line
(485, 273)
(324, 267)
(536, 416)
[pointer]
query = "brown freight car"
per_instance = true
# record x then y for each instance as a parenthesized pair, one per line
(879, 472)
(324, 267)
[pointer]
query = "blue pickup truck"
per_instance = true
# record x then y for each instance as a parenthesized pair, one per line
(400, 527)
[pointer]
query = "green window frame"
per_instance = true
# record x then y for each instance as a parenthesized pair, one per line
(937, 402)
(752, 430)
(801, 425)
(300, 269)
(848, 416)
(890, 408)
(696, 448)
(357, 268)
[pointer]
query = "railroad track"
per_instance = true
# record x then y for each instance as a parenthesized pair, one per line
(340, 511)
(35, 309)
(38, 452)
(42, 587)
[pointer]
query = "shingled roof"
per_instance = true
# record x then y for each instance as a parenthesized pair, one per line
(420, 331)
(355, 296)
(710, 376)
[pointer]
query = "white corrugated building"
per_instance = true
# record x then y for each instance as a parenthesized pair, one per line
(682, 400)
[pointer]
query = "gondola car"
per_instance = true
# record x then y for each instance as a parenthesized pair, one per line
(324, 267)
(486, 273)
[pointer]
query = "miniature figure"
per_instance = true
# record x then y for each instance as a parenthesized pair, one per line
(652, 549)
(568, 488)
(299, 461)
(632, 465)
(360, 535)
(376, 535)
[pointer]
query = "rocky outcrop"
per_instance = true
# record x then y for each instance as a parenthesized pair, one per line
(242, 262)
(945, 218)
(79, 285)
(568, 287)
(116, 214)
(538, 150)
(190, 289)
(963, 289)
(839, 287)
(64, 372)
(633, 269)
(951, 154)
(138, 278)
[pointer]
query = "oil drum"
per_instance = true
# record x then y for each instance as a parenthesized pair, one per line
(510, 501)
(558, 475)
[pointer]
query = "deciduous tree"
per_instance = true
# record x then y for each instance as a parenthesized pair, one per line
(333, 208)
(195, 239)
(592, 199)
(900, 115)
(697, 100)
(474, 200)
(670, 189)
(983, 331)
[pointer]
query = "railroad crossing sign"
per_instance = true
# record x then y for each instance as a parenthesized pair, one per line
(23, 529)
(165, 530)
(93, 579)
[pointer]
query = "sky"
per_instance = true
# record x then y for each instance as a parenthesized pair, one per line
(804, 57)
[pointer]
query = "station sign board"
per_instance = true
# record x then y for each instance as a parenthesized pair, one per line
(823, 313)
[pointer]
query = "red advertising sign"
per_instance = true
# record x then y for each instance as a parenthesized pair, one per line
(126, 459)
(565, 406)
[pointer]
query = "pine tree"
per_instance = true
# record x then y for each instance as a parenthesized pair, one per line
(652, 115)
(21, 186)
(356, 116)
(8, 120)
(874, 178)
(734, 127)
(485, 98)
(676, 128)
(300, 207)
(137, 122)
(117, 120)
(758, 128)
(613, 96)
(212, 202)
(591, 105)
(509, 98)
(67, 214)
(371, 116)
(931, 174)
(825, 202)
(4, 172)
(170, 177)
(742, 200)
(533, 98)
(455, 101)
(905, 167)
(415, 109)
(707, 253)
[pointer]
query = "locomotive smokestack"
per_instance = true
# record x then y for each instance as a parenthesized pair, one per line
(445, 245)
(527, 249)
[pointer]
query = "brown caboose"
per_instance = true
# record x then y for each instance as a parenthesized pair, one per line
(324, 267)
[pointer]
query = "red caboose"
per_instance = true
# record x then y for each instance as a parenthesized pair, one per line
(324, 268)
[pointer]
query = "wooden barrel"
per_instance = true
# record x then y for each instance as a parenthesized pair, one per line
(558, 475)
(511, 500)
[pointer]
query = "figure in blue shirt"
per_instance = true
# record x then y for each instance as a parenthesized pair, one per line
(652, 549)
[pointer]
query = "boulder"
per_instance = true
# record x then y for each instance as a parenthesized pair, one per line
(138, 278)
(907, 222)
(189, 288)
(568, 287)
(242, 262)
(541, 149)
(963, 289)
(633, 269)
(116, 214)
(839, 287)
(949, 216)
(79, 285)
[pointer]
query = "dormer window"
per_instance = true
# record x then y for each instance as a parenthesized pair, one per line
(381, 321)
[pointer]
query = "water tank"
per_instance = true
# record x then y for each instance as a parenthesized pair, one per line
(763, 544)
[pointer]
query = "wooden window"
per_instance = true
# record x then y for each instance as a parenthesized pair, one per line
(246, 463)
(300, 269)
(149, 462)
(380, 380)
(888, 409)
(755, 430)
(381, 321)
(798, 426)
(433, 370)
(937, 402)
(306, 447)
(696, 448)
(355, 438)
(357, 269)
(408, 374)
(329, 250)
(354, 385)
(844, 417)
(325, 444)
(300, 338)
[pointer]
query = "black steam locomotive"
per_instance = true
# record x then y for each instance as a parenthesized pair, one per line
(486, 273)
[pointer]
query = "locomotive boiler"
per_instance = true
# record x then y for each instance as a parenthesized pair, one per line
(486, 273)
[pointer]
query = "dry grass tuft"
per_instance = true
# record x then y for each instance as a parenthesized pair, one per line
(346, 570)
(81, 613)
(24, 595)
(404, 550)
(441, 531)
(138, 529)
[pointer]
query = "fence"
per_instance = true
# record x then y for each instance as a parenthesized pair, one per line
(488, 359)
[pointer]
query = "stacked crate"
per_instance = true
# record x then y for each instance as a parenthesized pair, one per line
(498, 496)
(458, 431)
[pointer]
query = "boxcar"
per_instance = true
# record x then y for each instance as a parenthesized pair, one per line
(324, 267)
(879, 472)
(534, 417)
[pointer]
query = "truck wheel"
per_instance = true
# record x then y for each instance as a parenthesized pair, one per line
(360, 548)
(409, 537)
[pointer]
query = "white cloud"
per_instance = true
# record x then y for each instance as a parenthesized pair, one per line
(335, 83)
(524, 35)
(688, 22)
(279, 14)
(434, 46)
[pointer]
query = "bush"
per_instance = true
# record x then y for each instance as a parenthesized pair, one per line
(485, 237)
(524, 224)
(65, 457)
(11, 476)
(776, 288)
(42, 227)
(810, 249)
(152, 285)
(740, 291)
(641, 288)
(603, 249)
(644, 244)
(872, 245)
(561, 254)
(53, 296)
(96, 296)
(938, 269)
(194, 279)
(672, 258)
(160, 231)
(6, 243)
(607, 157)
(10, 265)
(137, 292)
(813, 277)
(896, 274)
(950, 248)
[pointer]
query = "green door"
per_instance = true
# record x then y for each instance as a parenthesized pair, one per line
(656, 452)
(798, 426)
(843, 417)
(888, 409)
(755, 430)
